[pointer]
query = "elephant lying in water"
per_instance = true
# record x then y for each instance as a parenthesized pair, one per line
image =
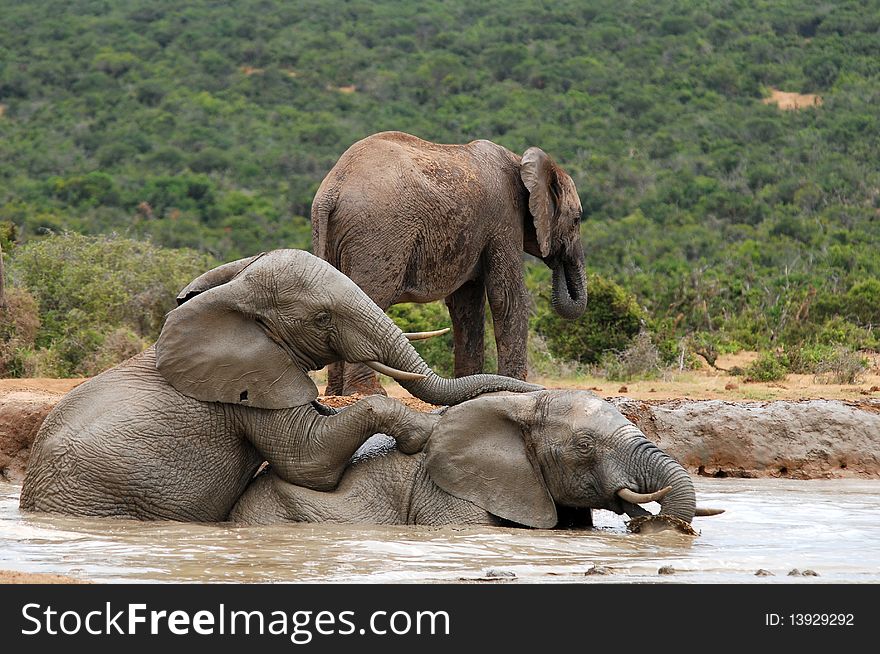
(178, 431)
(502, 457)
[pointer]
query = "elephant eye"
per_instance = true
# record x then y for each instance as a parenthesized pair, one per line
(322, 319)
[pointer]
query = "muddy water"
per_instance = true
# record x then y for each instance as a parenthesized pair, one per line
(830, 527)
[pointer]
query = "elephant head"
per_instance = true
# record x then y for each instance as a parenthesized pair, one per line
(248, 332)
(556, 210)
(521, 456)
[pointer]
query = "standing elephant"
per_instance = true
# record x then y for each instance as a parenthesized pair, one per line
(518, 458)
(178, 431)
(413, 221)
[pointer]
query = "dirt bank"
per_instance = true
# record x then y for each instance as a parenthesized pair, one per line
(21, 414)
(13, 577)
(794, 438)
(807, 439)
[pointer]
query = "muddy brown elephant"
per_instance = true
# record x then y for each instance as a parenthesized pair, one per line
(178, 431)
(526, 459)
(414, 221)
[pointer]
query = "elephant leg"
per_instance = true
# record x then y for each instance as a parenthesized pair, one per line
(467, 309)
(508, 301)
(361, 379)
(335, 372)
(312, 450)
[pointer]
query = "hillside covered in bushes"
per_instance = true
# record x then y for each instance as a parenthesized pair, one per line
(716, 213)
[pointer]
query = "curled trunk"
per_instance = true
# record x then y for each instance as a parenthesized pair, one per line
(569, 296)
(439, 390)
(656, 470)
(681, 501)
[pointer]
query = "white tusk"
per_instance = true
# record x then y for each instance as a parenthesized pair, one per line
(704, 512)
(400, 375)
(420, 336)
(642, 498)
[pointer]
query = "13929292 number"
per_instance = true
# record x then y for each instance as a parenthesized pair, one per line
(821, 619)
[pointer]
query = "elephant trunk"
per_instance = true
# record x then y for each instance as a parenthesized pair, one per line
(435, 389)
(379, 343)
(658, 471)
(653, 471)
(569, 296)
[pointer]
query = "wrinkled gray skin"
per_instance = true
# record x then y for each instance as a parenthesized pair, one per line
(523, 458)
(412, 221)
(178, 431)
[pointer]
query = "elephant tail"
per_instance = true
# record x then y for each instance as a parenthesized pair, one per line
(322, 209)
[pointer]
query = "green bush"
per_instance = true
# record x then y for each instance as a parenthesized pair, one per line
(542, 361)
(769, 366)
(841, 366)
(612, 318)
(863, 301)
(677, 165)
(640, 360)
(101, 299)
(19, 323)
(805, 360)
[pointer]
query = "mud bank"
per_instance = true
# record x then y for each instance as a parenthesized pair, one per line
(21, 414)
(809, 439)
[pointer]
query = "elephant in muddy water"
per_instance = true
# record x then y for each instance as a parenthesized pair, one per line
(527, 459)
(413, 221)
(178, 431)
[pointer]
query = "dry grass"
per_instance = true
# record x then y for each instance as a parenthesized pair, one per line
(709, 384)
(790, 101)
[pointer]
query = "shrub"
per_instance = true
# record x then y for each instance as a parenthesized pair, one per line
(119, 344)
(841, 366)
(612, 318)
(641, 359)
(45, 363)
(805, 360)
(863, 301)
(19, 323)
(768, 367)
(542, 362)
(90, 288)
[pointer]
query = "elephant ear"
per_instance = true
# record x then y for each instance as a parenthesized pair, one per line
(539, 175)
(215, 277)
(477, 453)
(212, 349)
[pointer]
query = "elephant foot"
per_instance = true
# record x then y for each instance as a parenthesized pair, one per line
(333, 389)
(416, 431)
(652, 524)
(361, 380)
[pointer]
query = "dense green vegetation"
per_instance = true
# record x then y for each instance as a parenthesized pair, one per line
(209, 126)
(84, 303)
